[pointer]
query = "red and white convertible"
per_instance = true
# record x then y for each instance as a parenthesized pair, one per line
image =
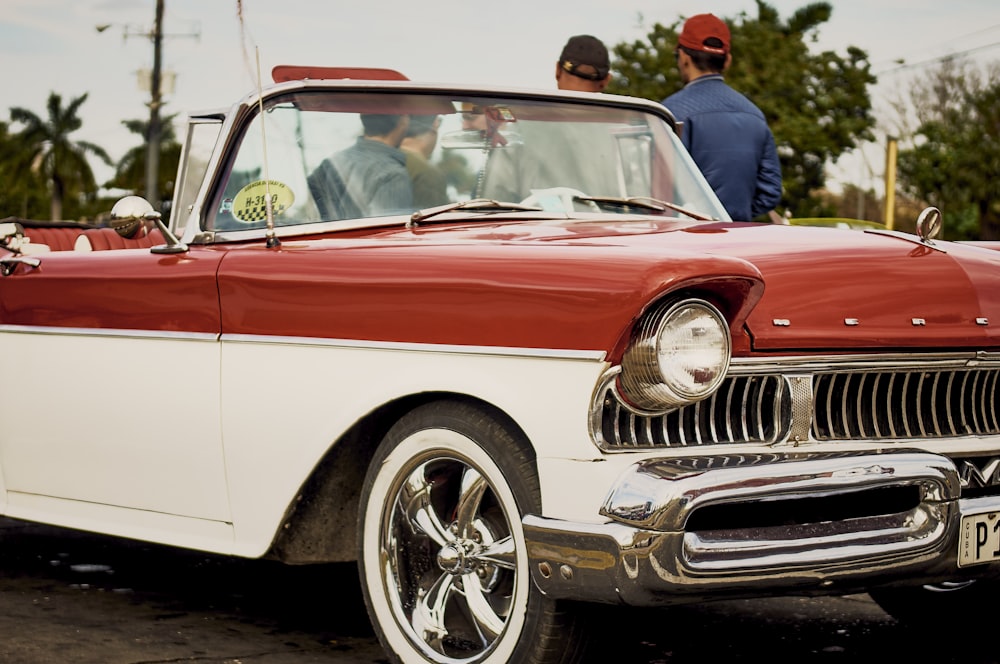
(534, 362)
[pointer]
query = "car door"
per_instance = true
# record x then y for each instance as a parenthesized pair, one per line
(109, 409)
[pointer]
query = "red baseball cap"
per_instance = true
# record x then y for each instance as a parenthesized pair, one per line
(705, 32)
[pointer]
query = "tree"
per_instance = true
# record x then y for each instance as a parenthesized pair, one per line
(17, 197)
(953, 156)
(817, 105)
(130, 172)
(49, 153)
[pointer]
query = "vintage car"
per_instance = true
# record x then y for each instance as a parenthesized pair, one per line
(572, 380)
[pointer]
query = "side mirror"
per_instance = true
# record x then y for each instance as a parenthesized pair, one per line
(128, 212)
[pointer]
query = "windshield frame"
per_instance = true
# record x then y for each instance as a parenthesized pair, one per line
(244, 114)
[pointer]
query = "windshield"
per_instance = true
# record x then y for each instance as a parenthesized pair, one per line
(346, 155)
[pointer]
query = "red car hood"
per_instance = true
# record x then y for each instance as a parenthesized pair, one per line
(823, 288)
(835, 289)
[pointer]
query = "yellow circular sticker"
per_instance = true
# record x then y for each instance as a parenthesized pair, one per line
(250, 203)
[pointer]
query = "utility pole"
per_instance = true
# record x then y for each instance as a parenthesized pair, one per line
(154, 131)
(890, 182)
(153, 140)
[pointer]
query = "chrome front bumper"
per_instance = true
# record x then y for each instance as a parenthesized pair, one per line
(679, 530)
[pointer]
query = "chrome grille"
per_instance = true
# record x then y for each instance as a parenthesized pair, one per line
(896, 405)
(857, 404)
(746, 409)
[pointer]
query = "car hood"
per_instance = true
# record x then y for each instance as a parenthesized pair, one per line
(823, 288)
(836, 289)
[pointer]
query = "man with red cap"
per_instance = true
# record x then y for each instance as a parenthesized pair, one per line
(724, 131)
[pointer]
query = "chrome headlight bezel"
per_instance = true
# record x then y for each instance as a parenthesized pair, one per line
(661, 370)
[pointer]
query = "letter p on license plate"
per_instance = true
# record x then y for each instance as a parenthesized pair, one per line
(979, 541)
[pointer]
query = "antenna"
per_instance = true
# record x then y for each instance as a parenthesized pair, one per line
(272, 240)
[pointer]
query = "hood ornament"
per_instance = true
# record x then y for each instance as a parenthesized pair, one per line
(929, 224)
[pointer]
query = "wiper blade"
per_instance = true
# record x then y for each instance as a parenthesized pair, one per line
(647, 203)
(475, 204)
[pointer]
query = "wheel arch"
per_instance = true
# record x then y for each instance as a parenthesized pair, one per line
(320, 526)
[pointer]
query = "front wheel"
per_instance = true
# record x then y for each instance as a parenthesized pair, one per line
(442, 557)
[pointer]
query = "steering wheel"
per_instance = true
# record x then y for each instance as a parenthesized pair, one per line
(558, 199)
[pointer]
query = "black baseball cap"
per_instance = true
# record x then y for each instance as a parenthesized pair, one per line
(586, 57)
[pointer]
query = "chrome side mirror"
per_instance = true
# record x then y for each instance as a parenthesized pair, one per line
(129, 212)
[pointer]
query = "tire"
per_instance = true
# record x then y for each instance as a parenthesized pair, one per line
(442, 556)
(958, 605)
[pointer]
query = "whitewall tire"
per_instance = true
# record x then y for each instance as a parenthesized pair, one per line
(443, 562)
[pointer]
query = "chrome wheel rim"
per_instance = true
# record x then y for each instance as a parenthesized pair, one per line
(448, 558)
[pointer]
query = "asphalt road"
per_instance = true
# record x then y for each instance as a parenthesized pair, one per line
(72, 597)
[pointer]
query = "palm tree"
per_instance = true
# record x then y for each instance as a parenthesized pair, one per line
(17, 196)
(52, 155)
(130, 172)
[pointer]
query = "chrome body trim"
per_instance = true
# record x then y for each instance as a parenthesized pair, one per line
(109, 333)
(550, 353)
(683, 529)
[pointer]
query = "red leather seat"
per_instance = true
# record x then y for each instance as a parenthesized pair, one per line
(101, 239)
(57, 239)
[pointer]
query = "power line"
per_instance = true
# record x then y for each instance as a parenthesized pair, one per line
(941, 58)
(980, 31)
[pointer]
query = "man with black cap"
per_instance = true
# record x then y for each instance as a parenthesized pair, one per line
(583, 65)
(556, 155)
(724, 131)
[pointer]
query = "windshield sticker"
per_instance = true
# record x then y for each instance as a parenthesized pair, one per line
(250, 203)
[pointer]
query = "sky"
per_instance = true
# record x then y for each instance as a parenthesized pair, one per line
(53, 46)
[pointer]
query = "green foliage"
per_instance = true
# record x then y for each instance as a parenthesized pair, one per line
(954, 159)
(817, 105)
(48, 154)
(130, 172)
(18, 198)
(856, 203)
(47, 174)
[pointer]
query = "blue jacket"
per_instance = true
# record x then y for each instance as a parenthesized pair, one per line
(730, 141)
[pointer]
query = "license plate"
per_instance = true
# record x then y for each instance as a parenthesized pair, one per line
(979, 541)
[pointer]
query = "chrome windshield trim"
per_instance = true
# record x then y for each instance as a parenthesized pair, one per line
(235, 117)
(293, 230)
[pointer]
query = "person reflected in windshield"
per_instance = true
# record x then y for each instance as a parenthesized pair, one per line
(494, 178)
(429, 183)
(368, 179)
(473, 118)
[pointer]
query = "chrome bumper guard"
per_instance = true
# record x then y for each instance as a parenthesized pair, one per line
(730, 526)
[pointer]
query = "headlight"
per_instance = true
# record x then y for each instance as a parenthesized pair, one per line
(679, 354)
